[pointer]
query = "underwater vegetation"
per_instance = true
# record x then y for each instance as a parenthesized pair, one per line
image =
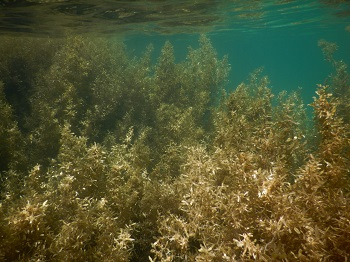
(105, 156)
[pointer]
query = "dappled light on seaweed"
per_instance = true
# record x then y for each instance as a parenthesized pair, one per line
(238, 207)
(116, 158)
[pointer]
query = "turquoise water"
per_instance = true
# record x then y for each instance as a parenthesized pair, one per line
(283, 40)
(280, 36)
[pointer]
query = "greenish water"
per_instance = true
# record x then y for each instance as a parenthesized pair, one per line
(280, 36)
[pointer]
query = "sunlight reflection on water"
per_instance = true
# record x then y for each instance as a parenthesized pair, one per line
(57, 17)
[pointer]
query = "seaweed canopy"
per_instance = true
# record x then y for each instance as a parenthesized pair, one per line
(120, 159)
(339, 80)
(235, 207)
(103, 144)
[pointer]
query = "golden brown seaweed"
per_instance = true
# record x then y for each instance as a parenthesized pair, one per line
(120, 159)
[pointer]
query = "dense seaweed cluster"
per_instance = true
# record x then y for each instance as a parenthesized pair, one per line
(110, 157)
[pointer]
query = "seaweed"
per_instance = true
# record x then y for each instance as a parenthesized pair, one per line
(339, 80)
(238, 207)
(12, 142)
(122, 159)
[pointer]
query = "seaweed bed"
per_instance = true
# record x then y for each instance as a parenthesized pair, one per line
(109, 157)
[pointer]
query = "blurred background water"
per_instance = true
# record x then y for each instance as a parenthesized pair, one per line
(279, 35)
(282, 38)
